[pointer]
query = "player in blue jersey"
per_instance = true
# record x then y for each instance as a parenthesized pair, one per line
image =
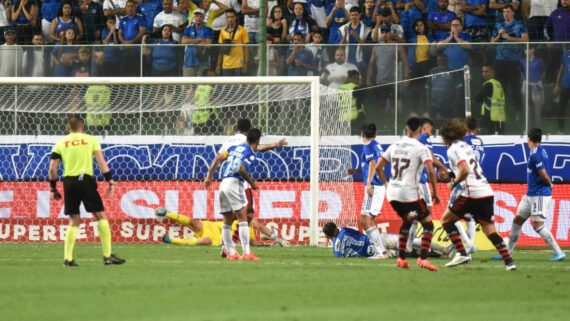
(536, 202)
(240, 159)
(349, 242)
(374, 190)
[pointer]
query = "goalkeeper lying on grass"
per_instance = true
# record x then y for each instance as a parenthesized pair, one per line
(207, 233)
(349, 242)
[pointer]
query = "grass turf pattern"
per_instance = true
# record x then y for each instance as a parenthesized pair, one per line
(165, 282)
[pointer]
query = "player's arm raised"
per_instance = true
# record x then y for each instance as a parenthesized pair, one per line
(213, 167)
(433, 180)
(242, 170)
(53, 166)
(266, 147)
(105, 171)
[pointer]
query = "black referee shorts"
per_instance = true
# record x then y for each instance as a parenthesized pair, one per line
(76, 191)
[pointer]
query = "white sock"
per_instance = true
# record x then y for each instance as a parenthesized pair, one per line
(227, 238)
(547, 237)
(471, 230)
(413, 229)
(463, 235)
(244, 236)
(374, 237)
(514, 237)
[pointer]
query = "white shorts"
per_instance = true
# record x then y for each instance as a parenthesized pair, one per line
(537, 206)
(232, 195)
(371, 205)
(425, 193)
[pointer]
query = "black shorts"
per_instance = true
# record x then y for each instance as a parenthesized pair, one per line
(416, 210)
(480, 209)
(76, 191)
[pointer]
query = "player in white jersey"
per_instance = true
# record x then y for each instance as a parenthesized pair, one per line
(471, 195)
(536, 201)
(243, 126)
(408, 157)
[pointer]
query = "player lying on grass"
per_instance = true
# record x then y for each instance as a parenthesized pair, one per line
(207, 233)
(349, 242)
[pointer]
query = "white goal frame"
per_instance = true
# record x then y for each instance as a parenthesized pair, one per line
(312, 81)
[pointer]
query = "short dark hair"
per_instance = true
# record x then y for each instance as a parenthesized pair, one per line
(74, 122)
(300, 34)
(353, 73)
(413, 123)
(471, 123)
(330, 229)
(354, 9)
(243, 125)
(253, 135)
(452, 131)
(426, 120)
(458, 19)
(535, 135)
(509, 6)
(231, 11)
(369, 130)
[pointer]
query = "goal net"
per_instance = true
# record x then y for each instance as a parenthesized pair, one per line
(159, 136)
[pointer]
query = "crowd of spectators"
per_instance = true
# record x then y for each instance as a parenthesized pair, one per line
(148, 28)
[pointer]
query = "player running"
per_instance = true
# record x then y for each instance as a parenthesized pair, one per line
(374, 190)
(536, 202)
(471, 195)
(408, 157)
(243, 126)
(349, 242)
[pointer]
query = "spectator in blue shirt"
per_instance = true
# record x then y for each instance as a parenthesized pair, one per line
(474, 12)
(23, 14)
(496, 7)
(558, 24)
(508, 56)
(111, 52)
(299, 59)
(300, 22)
(48, 13)
(164, 55)
(412, 12)
(65, 20)
(458, 53)
(355, 33)
(367, 16)
(536, 73)
(91, 15)
(443, 91)
(197, 58)
(337, 15)
(562, 87)
(131, 30)
(149, 9)
(440, 22)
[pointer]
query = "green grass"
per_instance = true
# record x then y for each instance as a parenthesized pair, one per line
(298, 283)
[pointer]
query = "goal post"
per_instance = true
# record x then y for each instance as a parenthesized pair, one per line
(138, 119)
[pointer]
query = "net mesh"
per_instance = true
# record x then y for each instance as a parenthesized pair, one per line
(159, 141)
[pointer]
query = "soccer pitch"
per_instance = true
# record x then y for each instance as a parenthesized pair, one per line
(161, 282)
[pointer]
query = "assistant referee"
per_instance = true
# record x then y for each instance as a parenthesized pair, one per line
(76, 152)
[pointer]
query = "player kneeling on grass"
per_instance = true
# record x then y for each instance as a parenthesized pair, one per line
(207, 233)
(537, 199)
(349, 242)
(409, 157)
(233, 201)
(471, 195)
(76, 152)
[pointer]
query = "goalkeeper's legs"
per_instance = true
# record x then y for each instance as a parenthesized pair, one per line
(194, 224)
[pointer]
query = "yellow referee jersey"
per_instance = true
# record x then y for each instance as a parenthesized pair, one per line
(76, 151)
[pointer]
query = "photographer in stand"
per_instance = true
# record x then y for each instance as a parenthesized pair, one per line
(233, 59)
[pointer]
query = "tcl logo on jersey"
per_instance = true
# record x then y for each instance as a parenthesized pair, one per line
(75, 142)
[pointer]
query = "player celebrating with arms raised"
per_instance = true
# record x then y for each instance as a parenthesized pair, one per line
(76, 151)
(537, 199)
(471, 196)
(374, 192)
(409, 157)
(240, 159)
